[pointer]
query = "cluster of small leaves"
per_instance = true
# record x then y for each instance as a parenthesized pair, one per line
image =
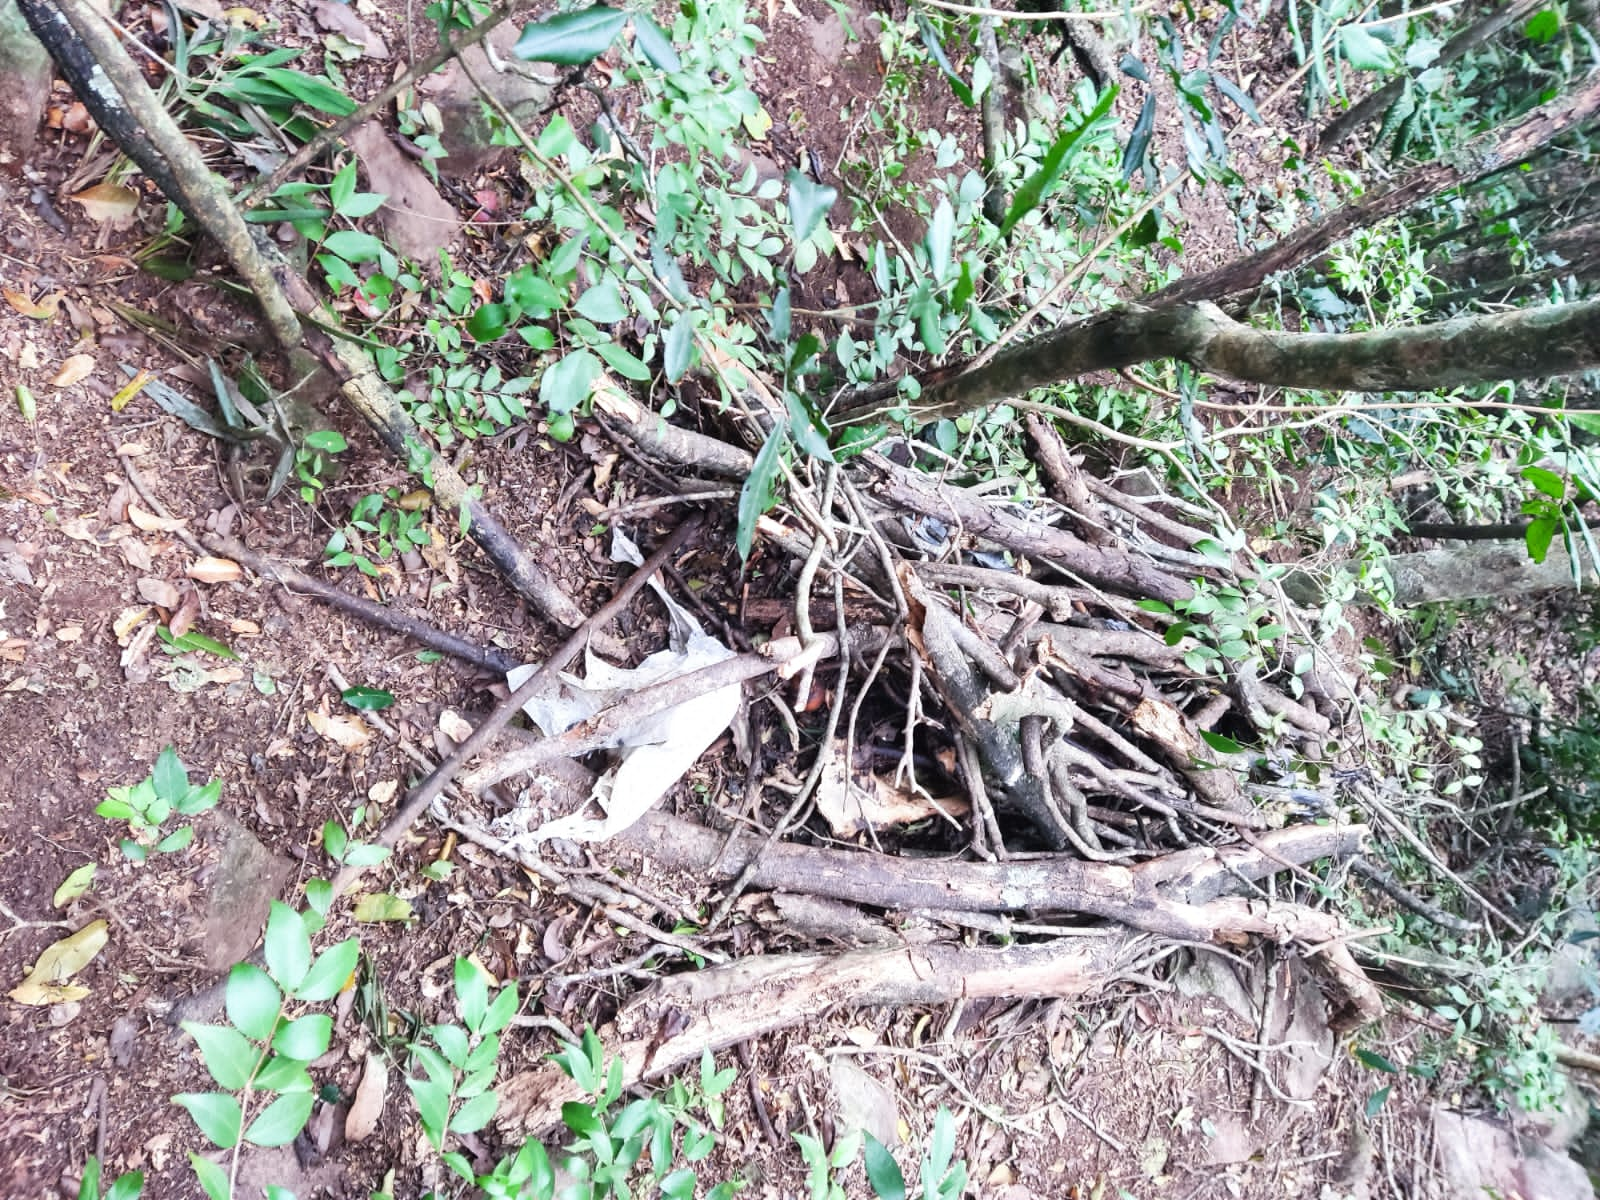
(147, 805)
(611, 1146)
(262, 1053)
(455, 1092)
(379, 528)
(939, 1176)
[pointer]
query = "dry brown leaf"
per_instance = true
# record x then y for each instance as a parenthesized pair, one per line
(47, 983)
(109, 204)
(350, 733)
(215, 570)
(128, 620)
(72, 370)
(147, 522)
(40, 310)
(367, 1106)
(158, 592)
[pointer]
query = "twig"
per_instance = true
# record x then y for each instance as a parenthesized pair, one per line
(383, 616)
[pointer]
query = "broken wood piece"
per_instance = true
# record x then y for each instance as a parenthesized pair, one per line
(1181, 895)
(759, 995)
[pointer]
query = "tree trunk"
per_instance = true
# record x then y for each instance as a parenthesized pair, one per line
(1528, 343)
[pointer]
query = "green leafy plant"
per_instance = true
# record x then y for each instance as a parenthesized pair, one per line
(380, 527)
(455, 1092)
(610, 1146)
(147, 806)
(939, 1177)
(259, 1058)
(127, 1186)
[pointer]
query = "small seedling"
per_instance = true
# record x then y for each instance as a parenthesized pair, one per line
(128, 1185)
(263, 1051)
(148, 804)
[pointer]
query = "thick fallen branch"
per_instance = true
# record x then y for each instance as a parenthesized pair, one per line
(755, 996)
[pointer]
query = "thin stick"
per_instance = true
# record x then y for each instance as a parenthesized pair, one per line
(384, 617)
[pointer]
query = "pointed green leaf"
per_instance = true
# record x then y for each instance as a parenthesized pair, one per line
(216, 1113)
(281, 1121)
(567, 383)
(228, 1054)
(1044, 178)
(330, 972)
(941, 239)
(1363, 51)
(475, 1113)
(654, 44)
(305, 1038)
(809, 203)
(602, 303)
(213, 1179)
(759, 492)
(172, 780)
(253, 1001)
(571, 39)
(288, 947)
(888, 1183)
(677, 349)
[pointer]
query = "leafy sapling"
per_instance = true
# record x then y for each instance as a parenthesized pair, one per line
(259, 1058)
(148, 804)
(455, 1093)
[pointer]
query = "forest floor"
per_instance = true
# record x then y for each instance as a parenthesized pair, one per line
(1222, 1080)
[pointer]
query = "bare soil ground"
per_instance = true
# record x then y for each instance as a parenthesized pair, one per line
(1145, 1092)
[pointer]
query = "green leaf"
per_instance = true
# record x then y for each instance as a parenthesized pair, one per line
(1542, 26)
(883, 1173)
(366, 854)
(1539, 535)
(759, 492)
(930, 39)
(282, 1120)
(310, 90)
(326, 441)
(602, 303)
(941, 239)
(74, 885)
(1233, 92)
(194, 641)
(216, 1113)
(489, 322)
(176, 840)
(809, 203)
(677, 348)
(1376, 1062)
(1044, 178)
(1219, 743)
(500, 1011)
(654, 44)
(305, 1038)
(472, 992)
(213, 1179)
(1363, 51)
(353, 246)
(1546, 481)
(367, 699)
(253, 1001)
(283, 1075)
(89, 1181)
(568, 383)
(169, 776)
(228, 1054)
(475, 1113)
(127, 1187)
(1138, 146)
(622, 362)
(288, 947)
(1376, 1101)
(571, 39)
